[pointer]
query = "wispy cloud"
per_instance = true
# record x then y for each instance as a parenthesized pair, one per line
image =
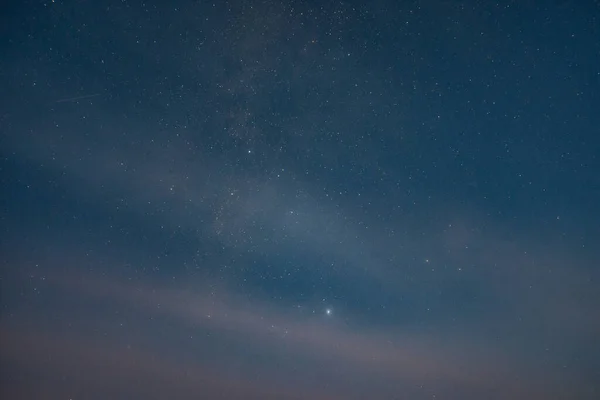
(399, 361)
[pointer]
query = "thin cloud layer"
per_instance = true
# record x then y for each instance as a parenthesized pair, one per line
(419, 362)
(237, 201)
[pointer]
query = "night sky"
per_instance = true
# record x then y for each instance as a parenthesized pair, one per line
(300, 200)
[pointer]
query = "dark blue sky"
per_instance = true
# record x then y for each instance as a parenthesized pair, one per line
(312, 200)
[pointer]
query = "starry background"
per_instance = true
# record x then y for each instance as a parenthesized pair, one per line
(300, 199)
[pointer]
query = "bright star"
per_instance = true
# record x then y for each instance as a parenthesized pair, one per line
(328, 311)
